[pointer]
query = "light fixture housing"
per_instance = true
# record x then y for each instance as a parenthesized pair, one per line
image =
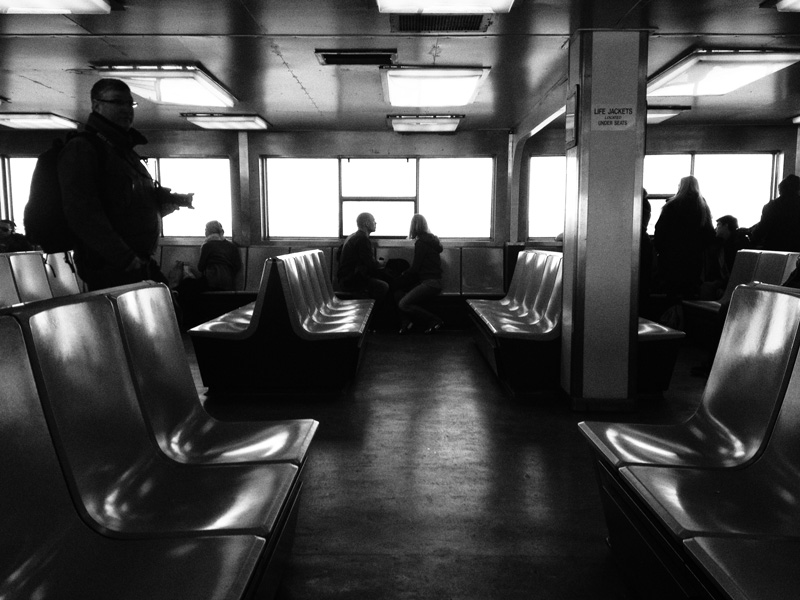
(451, 7)
(717, 72)
(431, 86)
(36, 121)
(796, 120)
(424, 123)
(187, 85)
(782, 5)
(226, 121)
(659, 114)
(54, 7)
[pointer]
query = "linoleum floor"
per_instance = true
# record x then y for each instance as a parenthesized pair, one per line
(427, 480)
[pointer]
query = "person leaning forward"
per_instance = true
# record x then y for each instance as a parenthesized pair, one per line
(359, 272)
(110, 200)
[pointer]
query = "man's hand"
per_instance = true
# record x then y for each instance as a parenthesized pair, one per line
(167, 208)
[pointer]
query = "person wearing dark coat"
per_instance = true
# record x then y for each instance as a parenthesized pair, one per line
(426, 275)
(10, 240)
(683, 232)
(779, 227)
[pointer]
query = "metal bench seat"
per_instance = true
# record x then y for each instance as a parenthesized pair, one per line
(49, 553)
(184, 431)
(122, 485)
(295, 335)
(741, 400)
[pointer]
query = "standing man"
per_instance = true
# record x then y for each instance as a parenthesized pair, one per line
(779, 228)
(110, 201)
(359, 272)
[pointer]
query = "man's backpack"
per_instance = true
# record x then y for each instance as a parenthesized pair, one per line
(44, 219)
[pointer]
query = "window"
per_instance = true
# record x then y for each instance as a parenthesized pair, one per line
(546, 196)
(210, 180)
(323, 197)
(21, 172)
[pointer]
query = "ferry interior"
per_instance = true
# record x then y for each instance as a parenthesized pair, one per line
(562, 436)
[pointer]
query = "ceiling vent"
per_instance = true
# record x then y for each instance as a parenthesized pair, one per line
(357, 57)
(425, 23)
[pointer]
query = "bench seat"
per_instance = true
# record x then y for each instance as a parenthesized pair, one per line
(49, 553)
(296, 327)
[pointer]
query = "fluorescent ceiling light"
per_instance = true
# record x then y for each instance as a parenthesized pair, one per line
(659, 114)
(225, 121)
(187, 85)
(424, 123)
(36, 121)
(782, 5)
(717, 72)
(452, 7)
(54, 7)
(432, 86)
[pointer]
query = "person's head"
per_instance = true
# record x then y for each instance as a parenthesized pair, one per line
(213, 227)
(690, 201)
(419, 225)
(647, 210)
(366, 222)
(111, 98)
(7, 227)
(688, 187)
(727, 226)
(790, 186)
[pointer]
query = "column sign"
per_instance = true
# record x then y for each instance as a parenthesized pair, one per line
(613, 117)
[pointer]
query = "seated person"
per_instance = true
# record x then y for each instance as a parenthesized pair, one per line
(220, 260)
(359, 272)
(10, 241)
(424, 277)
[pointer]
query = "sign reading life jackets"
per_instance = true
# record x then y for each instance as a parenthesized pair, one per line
(613, 117)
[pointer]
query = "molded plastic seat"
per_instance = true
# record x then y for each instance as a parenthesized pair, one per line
(30, 276)
(759, 499)
(184, 431)
(122, 484)
(748, 568)
(61, 274)
(48, 552)
(8, 289)
(744, 269)
(744, 392)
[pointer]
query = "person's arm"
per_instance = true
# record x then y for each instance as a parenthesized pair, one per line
(416, 263)
(79, 178)
(367, 265)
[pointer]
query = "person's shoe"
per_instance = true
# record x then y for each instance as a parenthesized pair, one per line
(435, 327)
(406, 328)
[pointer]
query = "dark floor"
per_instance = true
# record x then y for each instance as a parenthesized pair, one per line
(426, 480)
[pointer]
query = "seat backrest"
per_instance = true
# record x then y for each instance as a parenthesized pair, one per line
(8, 289)
(772, 266)
(518, 288)
(299, 300)
(744, 267)
(751, 369)
(61, 274)
(85, 386)
(35, 506)
(161, 371)
(552, 311)
(256, 257)
(30, 276)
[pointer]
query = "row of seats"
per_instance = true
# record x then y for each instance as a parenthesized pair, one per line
(28, 276)
(296, 327)
(520, 334)
(695, 509)
(117, 483)
(468, 271)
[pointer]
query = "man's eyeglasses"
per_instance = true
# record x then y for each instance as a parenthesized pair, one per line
(130, 103)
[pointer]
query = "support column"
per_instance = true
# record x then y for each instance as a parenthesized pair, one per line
(606, 116)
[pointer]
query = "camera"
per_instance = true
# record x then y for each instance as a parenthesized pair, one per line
(165, 195)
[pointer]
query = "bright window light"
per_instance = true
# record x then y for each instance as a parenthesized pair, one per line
(659, 114)
(302, 197)
(546, 196)
(21, 173)
(455, 195)
(424, 123)
(379, 178)
(224, 121)
(210, 180)
(459, 7)
(717, 72)
(432, 86)
(36, 121)
(392, 218)
(172, 84)
(54, 7)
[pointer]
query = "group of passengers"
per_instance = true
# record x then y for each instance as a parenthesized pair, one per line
(405, 289)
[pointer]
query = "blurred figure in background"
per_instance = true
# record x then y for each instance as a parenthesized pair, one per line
(424, 278)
